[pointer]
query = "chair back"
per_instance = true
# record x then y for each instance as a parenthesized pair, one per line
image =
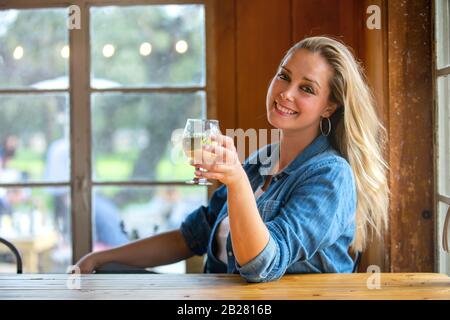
(357, 261)
(16, 253)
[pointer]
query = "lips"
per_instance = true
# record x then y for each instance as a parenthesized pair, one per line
(284, 111)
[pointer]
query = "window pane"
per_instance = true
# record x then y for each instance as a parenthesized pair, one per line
(444, 257)
(33, 48)
(443, 33)
(154, 45)
(34, 137)
(135, 135)
(123, 214)
(36, 221)
(444, 135)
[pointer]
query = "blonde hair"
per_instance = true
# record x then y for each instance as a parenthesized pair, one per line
(357, 133)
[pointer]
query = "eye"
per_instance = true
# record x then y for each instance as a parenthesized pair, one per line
(307, 89)
(283, 76)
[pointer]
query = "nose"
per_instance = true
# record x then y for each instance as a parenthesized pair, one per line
(288, 93)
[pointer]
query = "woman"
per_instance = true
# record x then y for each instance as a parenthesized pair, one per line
(326, 183)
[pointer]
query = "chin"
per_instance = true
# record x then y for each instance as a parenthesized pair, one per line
(273, 123)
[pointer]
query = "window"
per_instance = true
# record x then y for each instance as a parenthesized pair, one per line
(34, 114)
(442, 14)
(88, 127)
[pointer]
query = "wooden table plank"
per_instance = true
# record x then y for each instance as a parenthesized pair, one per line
(225, 287)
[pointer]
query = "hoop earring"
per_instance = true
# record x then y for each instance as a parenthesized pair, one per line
(329, 127)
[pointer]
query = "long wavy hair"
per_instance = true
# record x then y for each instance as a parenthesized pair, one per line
(357, 133)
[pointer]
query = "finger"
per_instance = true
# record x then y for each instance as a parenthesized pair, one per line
(211, 175)
(203, 158)
(214, 167)
(221, 155)
(223, 141)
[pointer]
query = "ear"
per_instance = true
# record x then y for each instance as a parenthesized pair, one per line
(329, 110)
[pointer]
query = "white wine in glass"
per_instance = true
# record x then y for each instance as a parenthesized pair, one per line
(197, 133)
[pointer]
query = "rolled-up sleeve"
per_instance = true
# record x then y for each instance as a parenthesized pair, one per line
(313, 218)
(196, 228)
(256, 270)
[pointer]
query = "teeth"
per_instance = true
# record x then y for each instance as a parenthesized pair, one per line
(285, 110)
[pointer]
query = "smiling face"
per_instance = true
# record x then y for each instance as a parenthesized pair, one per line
(298, 94)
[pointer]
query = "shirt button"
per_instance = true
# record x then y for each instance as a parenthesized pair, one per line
(230, 254)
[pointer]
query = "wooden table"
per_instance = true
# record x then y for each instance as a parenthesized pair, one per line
(224, 287)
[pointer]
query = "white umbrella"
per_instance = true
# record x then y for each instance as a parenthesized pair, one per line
(63, 83)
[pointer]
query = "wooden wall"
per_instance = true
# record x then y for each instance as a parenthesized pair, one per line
(253, 35)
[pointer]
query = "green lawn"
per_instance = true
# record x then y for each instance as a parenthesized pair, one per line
(108, 166)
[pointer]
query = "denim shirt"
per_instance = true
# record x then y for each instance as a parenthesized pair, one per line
(309, 209)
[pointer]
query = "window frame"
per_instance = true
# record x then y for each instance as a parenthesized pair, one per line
(81, 183)
(442, 263)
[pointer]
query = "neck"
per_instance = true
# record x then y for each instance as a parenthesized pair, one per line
(292, 143)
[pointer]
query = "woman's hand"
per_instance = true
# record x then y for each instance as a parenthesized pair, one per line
(221, 161)
(88, 263)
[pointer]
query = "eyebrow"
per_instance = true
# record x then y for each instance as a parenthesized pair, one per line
(305, 78)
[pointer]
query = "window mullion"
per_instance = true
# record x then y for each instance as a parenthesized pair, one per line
(80, 138)
(443, 72)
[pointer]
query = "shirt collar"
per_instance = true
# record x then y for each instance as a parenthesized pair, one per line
(318, 145)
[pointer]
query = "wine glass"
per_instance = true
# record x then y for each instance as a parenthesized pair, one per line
(197, 133)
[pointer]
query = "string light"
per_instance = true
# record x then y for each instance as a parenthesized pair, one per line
(65, 52)
(145, 49)
(108, 50)
(18, 53)
(181, 46)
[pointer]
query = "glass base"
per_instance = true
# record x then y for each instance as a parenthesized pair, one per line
(200, 182)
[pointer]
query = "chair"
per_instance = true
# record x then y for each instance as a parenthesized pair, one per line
(15, 252)
(357, 261)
